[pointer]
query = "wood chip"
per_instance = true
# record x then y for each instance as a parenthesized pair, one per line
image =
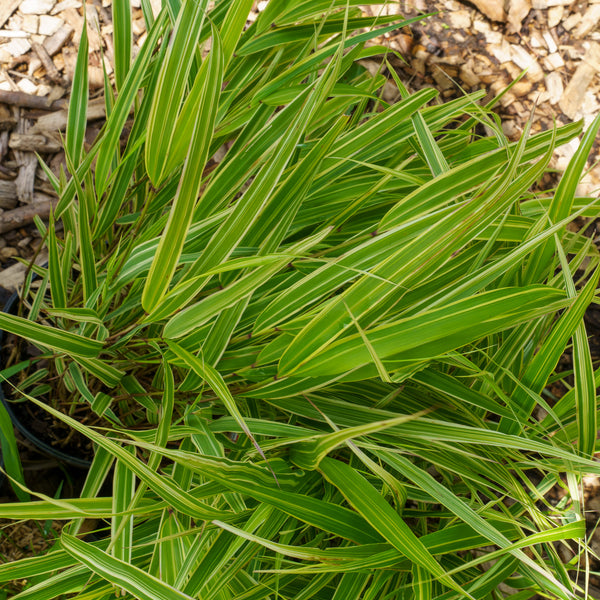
(41, 206)
(54, 43)
(34, 65)
(565, 153)
(539, 97)
(3, 151)
(75, 21)
(26, 100)
(27, 86)
(36, 7)
(7, 8)
(138, 26)
(536, 40)
(572, 21)
(555, 15)
(543, 4)
(521, 88)
(69, 54)
(589, 21)
(553, 61)
(469, 77)
(459, 19)
(30, 23)
(18, 47)
(57, 121)
(156, 7)
(26, 178)
(9, 34)
(574, 94)
(30, 142)
(501, 51)
(56, 93)
(550, 43)
(8, 194)
(492, 9)
(524, 60)
(43, 89)
(554, 86)
(13, 276)
(49, 25)
(511, 129)
(442, 80)
(60, 6)
(517, 11)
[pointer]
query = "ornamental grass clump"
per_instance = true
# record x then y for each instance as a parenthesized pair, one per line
(320, 361)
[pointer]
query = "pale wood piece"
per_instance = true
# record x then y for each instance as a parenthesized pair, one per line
(492, 9)
(589, 21)
(57, 121)
(552, 62)
(554, 86)
(8, 194)
(32, 142)
(75, 21)
(7, 8)
(27, 100)
(517, 11)
(156, 6)
(555, 15)
(23, 215)
(524, 60)
(572, 21)
(36, 7)
(26, 178)
(31, 23)
(60, 6)
(54, 43)
(543, 4)
(18, 46)
(12, 277)
(49, 25)
(574, 95)
(10, 33)
(550, 43)
(28, 87)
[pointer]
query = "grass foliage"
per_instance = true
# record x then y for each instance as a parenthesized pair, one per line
(321, 360)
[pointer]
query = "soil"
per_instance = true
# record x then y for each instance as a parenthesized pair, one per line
(461, 47)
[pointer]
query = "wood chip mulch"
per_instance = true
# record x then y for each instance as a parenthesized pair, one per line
(466, 47)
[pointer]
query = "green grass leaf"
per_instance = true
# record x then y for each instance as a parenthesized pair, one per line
(171, 87)
(180, 216)
(122, 40)
(77, 116)
(62, 341)
(430, 333)
(376, 511)
(127, 577)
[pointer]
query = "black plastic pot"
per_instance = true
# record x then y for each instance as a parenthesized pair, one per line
(11, 308)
